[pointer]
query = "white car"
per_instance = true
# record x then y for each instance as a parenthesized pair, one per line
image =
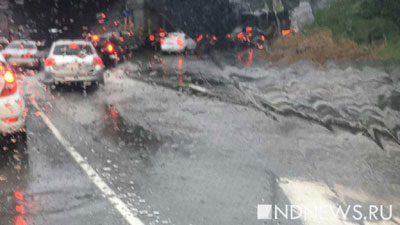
(22, 53)
(177, 42)
(12, 105)
(73, 61)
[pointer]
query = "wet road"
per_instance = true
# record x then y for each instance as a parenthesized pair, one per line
(183, 140)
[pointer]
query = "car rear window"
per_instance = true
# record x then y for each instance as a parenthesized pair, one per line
(73, 49)
(21, 46)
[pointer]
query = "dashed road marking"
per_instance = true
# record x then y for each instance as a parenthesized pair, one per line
(118, 204)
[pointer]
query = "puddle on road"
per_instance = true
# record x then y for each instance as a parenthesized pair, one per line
(174, 78)
(175, 73)
(129, 135)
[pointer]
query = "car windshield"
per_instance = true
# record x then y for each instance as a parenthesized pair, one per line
(200, 112)
(72, 49)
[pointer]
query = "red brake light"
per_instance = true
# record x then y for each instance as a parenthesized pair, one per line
(241, 36)
(110, 48)
(28, 55)
(50, 62)
(73, 46)
(152, 37)
(9, 77)
(199, 38)
(10, 120)
(286, 32)
(95, 38)
(10, 86)
(249, 29)
(97, 61)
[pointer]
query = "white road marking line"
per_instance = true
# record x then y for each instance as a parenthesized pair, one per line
(309, 196)
(92, 174)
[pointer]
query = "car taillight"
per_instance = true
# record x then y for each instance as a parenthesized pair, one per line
(28, 55)
(152, 37)
(6, 56)
(10, 86)
(249, 29)
(73, 45)
(97, 61)
(95, 38)
(50, 62)
(110, 48)
(10, 120)
(9, 77)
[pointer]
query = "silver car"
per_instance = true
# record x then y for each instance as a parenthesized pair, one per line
(73, 61)
(22, 53)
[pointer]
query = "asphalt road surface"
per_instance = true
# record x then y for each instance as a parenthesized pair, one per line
(178, 139)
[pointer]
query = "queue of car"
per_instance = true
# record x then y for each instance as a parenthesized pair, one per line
(68, 62)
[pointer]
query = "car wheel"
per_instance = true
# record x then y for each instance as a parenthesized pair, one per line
(97, 84)
(22, 137)
(38, 66)
(19, 141)
(52, 87)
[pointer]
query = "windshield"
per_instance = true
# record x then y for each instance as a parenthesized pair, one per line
(72, 49)
(200, 112)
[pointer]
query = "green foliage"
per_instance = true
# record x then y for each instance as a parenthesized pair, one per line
(364, 21)
(392, 49)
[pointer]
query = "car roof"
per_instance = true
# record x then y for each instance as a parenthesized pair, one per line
(77, 41)
(109, 34)
(24, 42)
(177, 33)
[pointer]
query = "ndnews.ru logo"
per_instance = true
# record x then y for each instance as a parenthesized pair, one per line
(350, 212)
